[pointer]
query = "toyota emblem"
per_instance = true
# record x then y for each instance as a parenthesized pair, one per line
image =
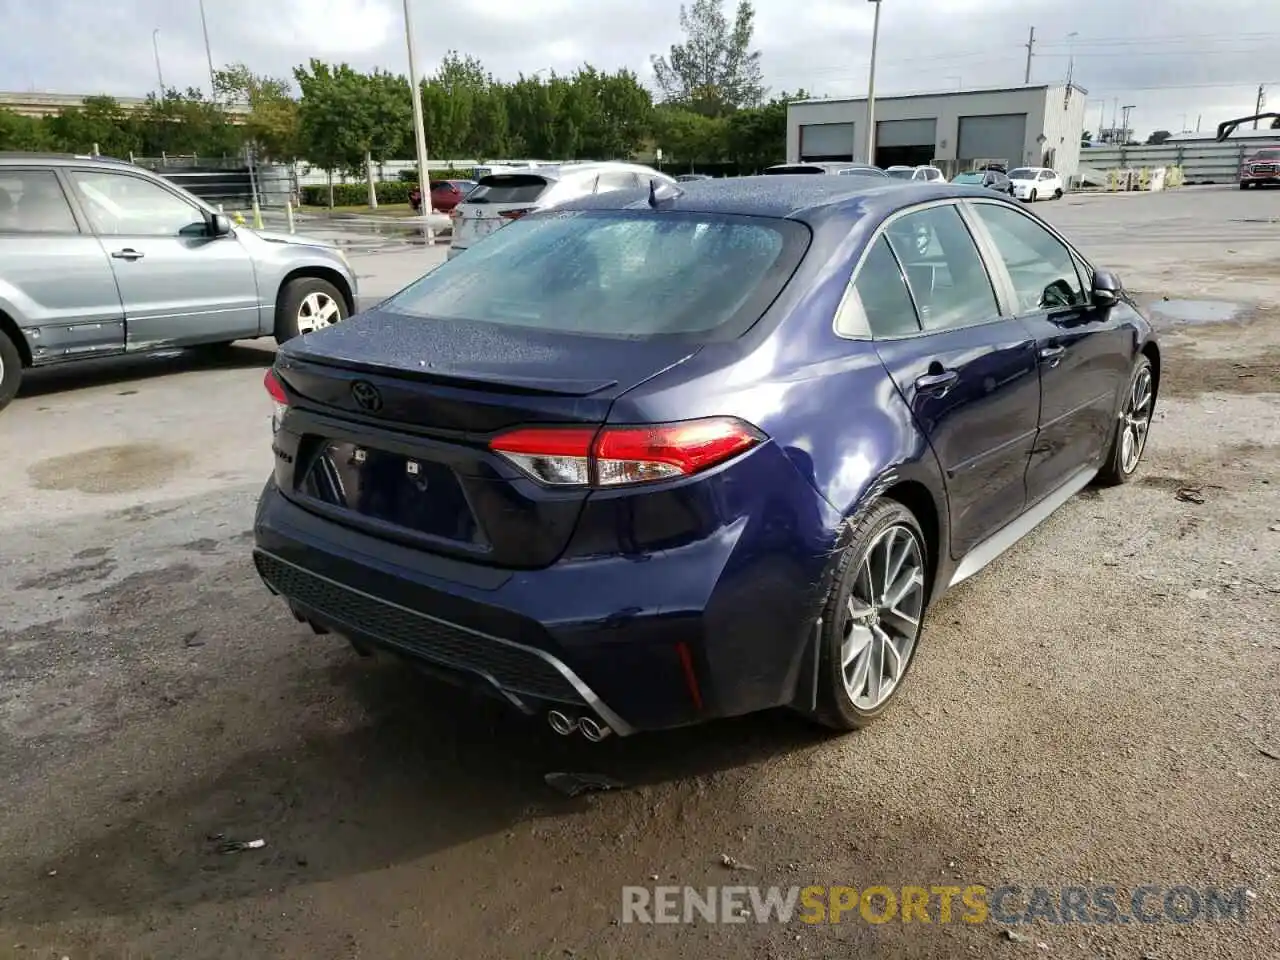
(366, 396)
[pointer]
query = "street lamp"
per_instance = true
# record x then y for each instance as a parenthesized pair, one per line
(871, 88)
(155, 46)
(419, 125)
(208, 54)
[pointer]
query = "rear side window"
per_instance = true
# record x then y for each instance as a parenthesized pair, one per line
(508, 188)
(948, 279)
(882, 291)
(617, 181)
(32, 201)
(616, 274)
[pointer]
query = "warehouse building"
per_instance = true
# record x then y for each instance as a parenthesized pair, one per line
(1021, 126)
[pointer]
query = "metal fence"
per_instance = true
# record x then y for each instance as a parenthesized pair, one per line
(1199, 161)
(231, 183)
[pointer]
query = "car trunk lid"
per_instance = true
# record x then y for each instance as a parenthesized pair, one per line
(391, 416)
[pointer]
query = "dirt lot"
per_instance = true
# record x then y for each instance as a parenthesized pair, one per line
(1101, 706)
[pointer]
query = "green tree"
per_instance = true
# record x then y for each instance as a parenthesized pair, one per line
(614, 110)
(101, 121)
(272, 122)
(19, 132)
(1158, 137)
(688, 138)
(757, 136)
(715, 70)
(187, 124)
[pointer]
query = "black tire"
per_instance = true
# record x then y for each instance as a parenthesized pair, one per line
(1244, 185)
(10, 370)
(1057, 194)
(1114, 469)
(1032, 198)
(836, 707)
(290, 303)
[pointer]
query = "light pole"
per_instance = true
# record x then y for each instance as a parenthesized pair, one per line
(208, 53)
(871, 89)
(419, 125)
(1125, 124)
(155, 46)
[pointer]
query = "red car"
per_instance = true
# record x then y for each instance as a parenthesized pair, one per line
(445, 194)
(1261, 169)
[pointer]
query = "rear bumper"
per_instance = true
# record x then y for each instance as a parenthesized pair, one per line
(644, 643)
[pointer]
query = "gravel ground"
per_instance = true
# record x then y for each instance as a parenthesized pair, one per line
(1099, 706)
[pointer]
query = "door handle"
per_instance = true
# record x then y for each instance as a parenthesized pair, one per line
(128, 253)
(937, 383)
(1052, 355)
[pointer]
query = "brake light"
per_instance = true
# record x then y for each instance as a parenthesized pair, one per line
(279, 398)
(514, 214)
(618, 456)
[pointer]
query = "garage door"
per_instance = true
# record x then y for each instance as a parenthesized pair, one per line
(908, 143)
(826, 141)
(907, 133)
(995, 137)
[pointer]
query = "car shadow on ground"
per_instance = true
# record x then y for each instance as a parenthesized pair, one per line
(424, 768)
(80, 374)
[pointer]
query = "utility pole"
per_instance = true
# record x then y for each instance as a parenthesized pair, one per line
(1125, 126)
(1102, 119)
(1115, 117)
(871, 89)
(419, 126)
(1262, 102)
(208, 53)
(155, 46)
(1031, 45)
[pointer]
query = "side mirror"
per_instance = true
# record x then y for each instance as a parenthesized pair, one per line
(1107, 288)
(220, 225)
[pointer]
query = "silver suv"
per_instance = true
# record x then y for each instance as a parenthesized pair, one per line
(99, 258)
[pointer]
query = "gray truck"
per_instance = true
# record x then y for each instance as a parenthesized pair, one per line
(100, 258)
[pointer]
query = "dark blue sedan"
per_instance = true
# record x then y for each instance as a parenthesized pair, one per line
(657, 457)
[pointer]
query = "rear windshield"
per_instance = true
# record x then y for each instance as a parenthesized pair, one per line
(968, 178)
(1023, 173)
(614, 273)
(902, 174)
(508, 188)
(794, 168)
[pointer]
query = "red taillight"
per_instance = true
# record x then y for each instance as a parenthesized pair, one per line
(514, 214)
(275, 388)
(617, 456)
(279, 399)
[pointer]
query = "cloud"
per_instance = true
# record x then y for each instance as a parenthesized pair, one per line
(1191, 60)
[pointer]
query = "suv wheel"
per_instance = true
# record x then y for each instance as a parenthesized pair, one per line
(307, 304)
(871, 622)
(10, 370)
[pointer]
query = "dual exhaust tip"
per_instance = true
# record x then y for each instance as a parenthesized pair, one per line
(564, 724)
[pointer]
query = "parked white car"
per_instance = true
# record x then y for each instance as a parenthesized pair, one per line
(1036, 183)
(503, 197)
(924, 173)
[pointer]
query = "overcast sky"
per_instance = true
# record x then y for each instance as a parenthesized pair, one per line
(1171, 59)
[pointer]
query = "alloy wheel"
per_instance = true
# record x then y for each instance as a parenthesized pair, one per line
(883, 622)
(317, 311)
(1135, 420)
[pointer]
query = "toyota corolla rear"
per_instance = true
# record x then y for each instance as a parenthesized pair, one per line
(475, 475)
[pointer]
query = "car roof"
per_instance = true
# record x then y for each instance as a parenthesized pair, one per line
(13, 158)
(561, 170)
(798, 196)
